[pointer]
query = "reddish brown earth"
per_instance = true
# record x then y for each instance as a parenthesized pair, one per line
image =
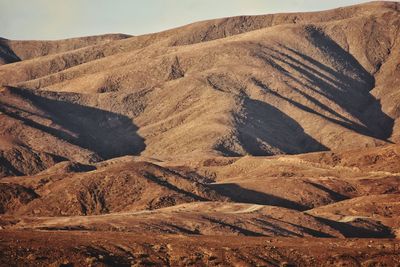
(259, 140)
(126, 249)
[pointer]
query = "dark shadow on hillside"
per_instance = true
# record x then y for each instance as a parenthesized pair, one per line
(348, 85)
(106, 133)
(275, 228)
(332, 194)
(239, 194)
(164, 183)
(7, 168)
(176, 229)
(232, 227)
(304, 229)
(375, 230)
(6, 53)
(265, 124)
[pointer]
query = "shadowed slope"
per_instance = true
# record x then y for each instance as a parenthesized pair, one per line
(54, 129)
(107, 134)
(122, 187)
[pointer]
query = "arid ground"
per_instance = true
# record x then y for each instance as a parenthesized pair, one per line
(269, 140)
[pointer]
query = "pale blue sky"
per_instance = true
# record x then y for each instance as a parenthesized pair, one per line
(56, 19)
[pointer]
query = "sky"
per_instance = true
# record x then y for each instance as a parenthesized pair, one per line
(59, 19)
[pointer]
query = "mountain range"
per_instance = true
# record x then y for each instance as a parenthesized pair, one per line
(271, 126)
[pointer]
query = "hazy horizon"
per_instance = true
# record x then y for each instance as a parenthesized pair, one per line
(47, 19)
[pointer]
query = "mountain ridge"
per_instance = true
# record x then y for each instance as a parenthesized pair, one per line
(329, 77)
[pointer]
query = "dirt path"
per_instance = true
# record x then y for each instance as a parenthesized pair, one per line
(252, 208)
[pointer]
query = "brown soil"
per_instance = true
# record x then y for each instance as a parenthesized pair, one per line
(79, 248)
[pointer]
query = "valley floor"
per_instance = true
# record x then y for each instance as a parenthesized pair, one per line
(82, 248)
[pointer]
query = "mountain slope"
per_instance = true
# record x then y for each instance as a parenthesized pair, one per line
(263, 85)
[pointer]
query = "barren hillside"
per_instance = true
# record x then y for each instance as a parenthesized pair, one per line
(271, 126)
